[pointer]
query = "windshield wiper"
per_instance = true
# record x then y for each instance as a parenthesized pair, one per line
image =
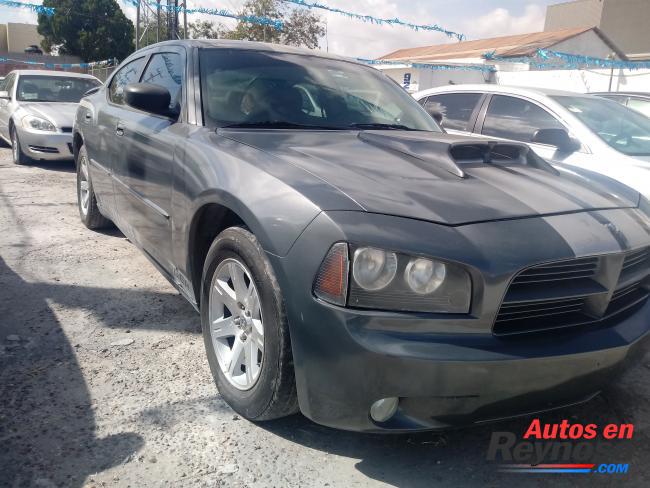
(381, 126)
(276, 125)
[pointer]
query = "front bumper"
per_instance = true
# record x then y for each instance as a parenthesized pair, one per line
(48, 146)
(449, 371)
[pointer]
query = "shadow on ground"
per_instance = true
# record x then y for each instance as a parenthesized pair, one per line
(47, 425)
(59, 166)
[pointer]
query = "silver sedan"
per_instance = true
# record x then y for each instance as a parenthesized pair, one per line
(37, 110)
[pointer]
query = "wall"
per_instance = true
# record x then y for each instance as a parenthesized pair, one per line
(586, 44)
(21, 36)
(625, 22)
(421, 79)
(3, 38)
(39, 58)
(573, 14)
(582, 81)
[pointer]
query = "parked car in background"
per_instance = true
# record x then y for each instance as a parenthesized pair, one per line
(2, 79)
(634, 100)
(563, 127)
(350, 259)
(37, 110)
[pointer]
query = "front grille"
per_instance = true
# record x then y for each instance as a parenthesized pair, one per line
(66, 129)
(44, 149)
(573, 292)
(635, 262)
(563, 270)
(626, 297)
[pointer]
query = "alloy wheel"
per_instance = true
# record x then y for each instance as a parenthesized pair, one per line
(236, 325)
(14, 144)
(84, 189)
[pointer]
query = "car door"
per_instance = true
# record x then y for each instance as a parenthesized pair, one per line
(144, 171)
(6, 106)
(102, 143)
(517, 119)
(458, 110)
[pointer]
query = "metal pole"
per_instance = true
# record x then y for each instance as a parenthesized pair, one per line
(611, 72)
(137, 27)
(176, 36)
(158, 20)
(185, 20)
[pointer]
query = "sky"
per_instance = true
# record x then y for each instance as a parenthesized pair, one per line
(475, 18)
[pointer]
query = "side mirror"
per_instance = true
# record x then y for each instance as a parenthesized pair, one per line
(556, 137)
(150, 98)
(5, 95)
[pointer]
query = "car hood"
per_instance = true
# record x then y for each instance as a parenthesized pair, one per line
(60, 114)
(400, 173)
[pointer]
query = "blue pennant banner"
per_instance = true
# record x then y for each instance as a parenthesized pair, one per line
(39, 9)
(549, 59)
(92, 64)
(431, 66)
(374, 20)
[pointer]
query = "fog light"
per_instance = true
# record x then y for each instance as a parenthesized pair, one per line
(384, 409)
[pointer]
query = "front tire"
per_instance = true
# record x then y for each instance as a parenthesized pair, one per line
(88, 209)
(245, 328)
(17, 153)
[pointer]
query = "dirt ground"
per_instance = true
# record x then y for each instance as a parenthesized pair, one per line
(104, 380)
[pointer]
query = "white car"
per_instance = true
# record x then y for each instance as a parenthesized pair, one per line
(563, 127)
(37, 109)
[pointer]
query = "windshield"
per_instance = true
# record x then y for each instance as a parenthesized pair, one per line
(276, 90)
(625, 130)
(43, 88)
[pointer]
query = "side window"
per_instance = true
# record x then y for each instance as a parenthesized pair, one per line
(456, 108)
(126, 74)
(516, 119)
(640, 105)
(423, 101)
(9, 82)
(166, 70)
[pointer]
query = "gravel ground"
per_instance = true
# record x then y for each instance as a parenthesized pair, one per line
(104, 380)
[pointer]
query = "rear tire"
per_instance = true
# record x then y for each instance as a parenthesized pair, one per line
(17, 153)
(88, 209)
(270, 391)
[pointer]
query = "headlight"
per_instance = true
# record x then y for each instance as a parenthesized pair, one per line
(37, 123)
(386, 280)
(372, 268)
(424, 275)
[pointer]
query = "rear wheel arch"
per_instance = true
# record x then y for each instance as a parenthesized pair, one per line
(77, 142)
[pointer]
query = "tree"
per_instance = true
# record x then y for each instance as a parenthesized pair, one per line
(91, 29)
(300, 27)
(204, 29)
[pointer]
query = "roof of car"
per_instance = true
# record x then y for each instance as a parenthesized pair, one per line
(623, 93)
(515, 90)
(249, 45)
(67, 74)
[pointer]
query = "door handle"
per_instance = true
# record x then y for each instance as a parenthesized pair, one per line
(88, 116)
(119, 130)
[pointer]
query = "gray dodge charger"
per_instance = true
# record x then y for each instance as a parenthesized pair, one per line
(348, 258)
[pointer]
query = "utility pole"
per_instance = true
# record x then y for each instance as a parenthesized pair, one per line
(158, 20)
(137, 27)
